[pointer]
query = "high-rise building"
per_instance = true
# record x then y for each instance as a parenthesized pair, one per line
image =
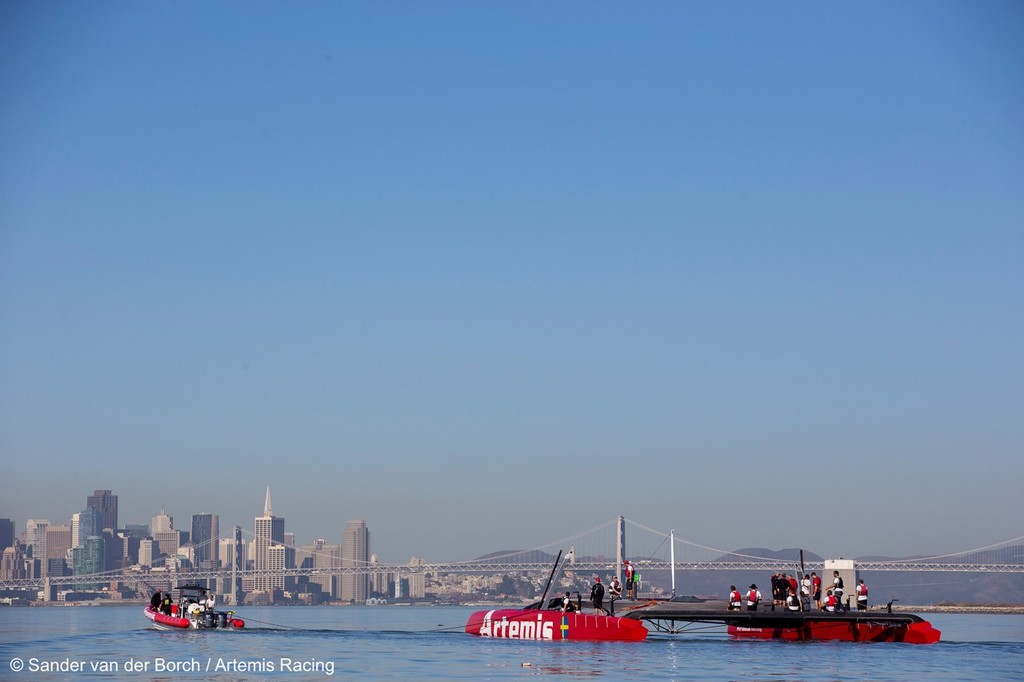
(6, 534)
(89, 525)
(355, 551)
(269, 532)
(13, 562)
(58, 542)
(89, 557)
(205, 532)
(162, 523)
(321, 555)
(35, 537)
(106, 504)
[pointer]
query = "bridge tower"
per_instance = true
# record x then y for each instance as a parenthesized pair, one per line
(236, 565)
(620, 547)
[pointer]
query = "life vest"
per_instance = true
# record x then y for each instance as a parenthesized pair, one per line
(793, 603)
(735, 598)
(753, 597)
(862, 592)
(830, 605)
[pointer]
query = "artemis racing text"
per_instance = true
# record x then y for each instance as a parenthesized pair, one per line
(518, 628)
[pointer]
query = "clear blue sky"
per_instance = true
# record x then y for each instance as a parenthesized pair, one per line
(487, 274)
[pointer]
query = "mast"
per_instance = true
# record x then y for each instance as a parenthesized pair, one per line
(543, 597)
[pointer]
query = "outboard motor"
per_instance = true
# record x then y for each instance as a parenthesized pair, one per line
(208, 619)
(222, 619)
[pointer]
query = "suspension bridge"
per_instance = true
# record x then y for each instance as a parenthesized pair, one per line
(600, 549)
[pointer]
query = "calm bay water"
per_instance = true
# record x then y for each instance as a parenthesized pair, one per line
(399, 643)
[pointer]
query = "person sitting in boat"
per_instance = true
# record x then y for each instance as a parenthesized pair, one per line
(830, 601)
(567, 605)
(792, 601)
(735, 599)
(753, 598)
(154, 602)
(614, 588)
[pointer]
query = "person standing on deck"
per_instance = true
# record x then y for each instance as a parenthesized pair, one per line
(805, 592)
(597, 595)
(816, 589)
(837, 587)
(630, 584)
(862, 596)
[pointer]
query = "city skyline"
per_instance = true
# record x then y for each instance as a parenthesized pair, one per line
(487, 274)
(269, 529)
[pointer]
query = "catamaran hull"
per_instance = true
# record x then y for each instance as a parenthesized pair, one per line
(532, 624)
(844, 631)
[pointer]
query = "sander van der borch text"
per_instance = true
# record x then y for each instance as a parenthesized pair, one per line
(283, 665)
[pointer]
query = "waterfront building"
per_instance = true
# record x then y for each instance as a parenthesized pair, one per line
(269, 531)
(355, 551)
(204, 538)
(106, 504)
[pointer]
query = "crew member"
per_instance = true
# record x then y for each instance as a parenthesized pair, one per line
(567, 606)
(792, 601)
(735, 599)
(597, 595)
(838, 586)
(805, 592)
(155, 600)
(630, 583)
(862, 596)
(614, 589)
(830, 601)
(816, 589)
(753, 598)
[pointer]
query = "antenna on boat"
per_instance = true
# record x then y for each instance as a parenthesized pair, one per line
(544, 597)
